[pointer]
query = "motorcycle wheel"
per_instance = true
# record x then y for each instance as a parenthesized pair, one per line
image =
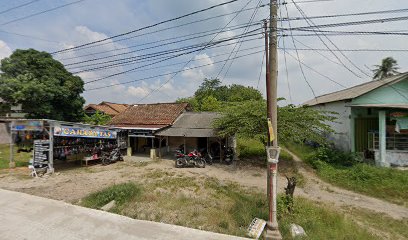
(200, 163)
(179, 163)
(228, 161)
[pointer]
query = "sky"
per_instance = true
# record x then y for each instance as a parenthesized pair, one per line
(154, 80)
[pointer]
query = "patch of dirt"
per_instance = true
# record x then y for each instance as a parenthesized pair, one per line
(320, 191)
(75, 183)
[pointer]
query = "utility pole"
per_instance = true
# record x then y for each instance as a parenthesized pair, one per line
(272, 104)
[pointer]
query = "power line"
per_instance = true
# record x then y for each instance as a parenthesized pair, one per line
(166, 74)
(313, 25)
(195, 59)
(28, 36)
(308, 1)
(345, 33)
(175, 74)
(18, 6)
(161, 30)
(146, 27)
(346, 14)
(362, 22)
(152, 47)
(298, 57)
(239, 44)
(42, 12)
(203, 34)
(286, 64)
(347, 50)
(153, 55)
(260, 72)
(154, 58)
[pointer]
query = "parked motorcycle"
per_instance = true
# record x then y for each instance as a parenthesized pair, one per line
(229, 155)
(193, 159)
(111, 157)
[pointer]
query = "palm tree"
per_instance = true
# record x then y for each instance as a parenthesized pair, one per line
(387, 68)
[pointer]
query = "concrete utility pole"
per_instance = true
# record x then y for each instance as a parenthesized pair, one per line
(272, 100)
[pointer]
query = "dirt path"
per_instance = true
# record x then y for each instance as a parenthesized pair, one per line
(320, 191)
(73, 184)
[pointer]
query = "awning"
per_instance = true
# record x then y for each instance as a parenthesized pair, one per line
(400, 106)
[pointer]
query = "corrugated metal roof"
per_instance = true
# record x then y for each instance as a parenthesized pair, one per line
(356, 91)
(192, 124)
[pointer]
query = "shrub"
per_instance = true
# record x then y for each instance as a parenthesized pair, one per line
(333, 156)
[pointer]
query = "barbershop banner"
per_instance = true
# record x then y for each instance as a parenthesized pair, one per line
(83, 132)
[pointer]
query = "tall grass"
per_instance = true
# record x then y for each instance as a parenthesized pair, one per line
(386, 183)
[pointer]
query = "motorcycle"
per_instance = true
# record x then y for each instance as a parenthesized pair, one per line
(111, 157)
(229, 155)
(193, 159)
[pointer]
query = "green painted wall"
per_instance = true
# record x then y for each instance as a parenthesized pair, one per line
(385, 95)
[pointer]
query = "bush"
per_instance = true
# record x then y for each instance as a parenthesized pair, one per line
(332, 156)
(251, 148)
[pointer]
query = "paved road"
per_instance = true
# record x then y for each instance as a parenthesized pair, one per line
(24, 216)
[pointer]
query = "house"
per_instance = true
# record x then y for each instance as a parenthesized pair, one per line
(194, 130)
(372, 119)
(142, 121)
(108, 108)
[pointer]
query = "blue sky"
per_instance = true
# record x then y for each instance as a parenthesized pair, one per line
(92, 20)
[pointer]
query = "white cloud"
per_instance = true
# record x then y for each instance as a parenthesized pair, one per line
(5, 50)
(137, 91)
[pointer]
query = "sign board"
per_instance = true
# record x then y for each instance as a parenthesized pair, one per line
(65, 131)
(256, 228)
(27, 125)
(41, 153)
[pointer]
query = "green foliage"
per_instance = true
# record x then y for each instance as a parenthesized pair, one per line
(385, 183)
(212, 96)
(333, 156)
(42, 85)
(121, 193)
(210, 104)
(295, 124)
(251, 148)
(99, 118)
(387, 68)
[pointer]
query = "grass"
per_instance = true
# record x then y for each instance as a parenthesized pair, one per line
(253, 151)
(212, 205)
(21, 158)
(121, 193)
(386, 183)
(388, 228)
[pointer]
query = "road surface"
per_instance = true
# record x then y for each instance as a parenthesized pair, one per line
(24, 216)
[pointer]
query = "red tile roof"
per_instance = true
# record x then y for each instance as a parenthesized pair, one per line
(111, 109)
(150, 115)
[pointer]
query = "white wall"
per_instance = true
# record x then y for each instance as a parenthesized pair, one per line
(342, 136)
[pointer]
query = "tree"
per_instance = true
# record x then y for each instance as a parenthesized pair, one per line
(212, 96)
(42, 85)
(387, 68)
(295, 124)
(98, 118)
(210, 104)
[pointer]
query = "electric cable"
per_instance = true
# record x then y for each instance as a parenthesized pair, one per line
(18, 6)
(146, 27)
(175, 74)
(42, 12)
(165, 74)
